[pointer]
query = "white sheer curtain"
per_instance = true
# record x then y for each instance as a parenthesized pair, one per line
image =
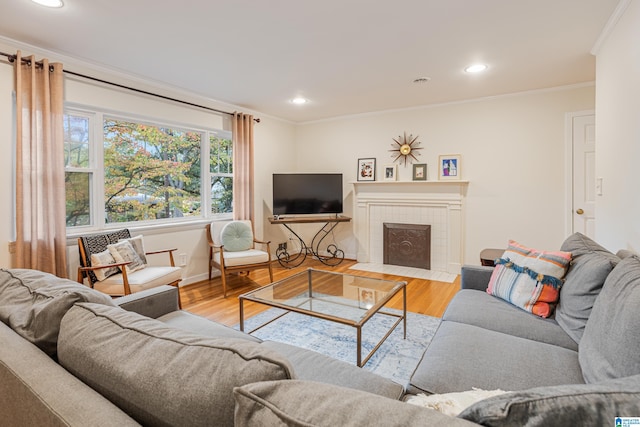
(40, 186)
(243, 206)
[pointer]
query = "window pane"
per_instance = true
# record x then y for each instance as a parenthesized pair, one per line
(76, 141)
(221, 194)
(221, 164)
(151, 172)
(78, 197)
(221, 155)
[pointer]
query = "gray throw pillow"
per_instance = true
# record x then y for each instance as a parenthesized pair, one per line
(584, 405)
(610, 346)
(32, 303)
(589, 268)
(161, 375)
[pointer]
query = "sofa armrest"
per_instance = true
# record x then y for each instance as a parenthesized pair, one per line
(475, 277)
(154, 302)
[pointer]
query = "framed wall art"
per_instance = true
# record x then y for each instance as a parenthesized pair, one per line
(390, 172)
(420, 172)
(449, 167)
(367, 169)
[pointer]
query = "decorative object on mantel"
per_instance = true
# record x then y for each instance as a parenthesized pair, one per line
(405, 148)
(390, 172)
(449, 167)
(420, 172)
(367, 169)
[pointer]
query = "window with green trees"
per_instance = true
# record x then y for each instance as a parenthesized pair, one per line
(135, 171)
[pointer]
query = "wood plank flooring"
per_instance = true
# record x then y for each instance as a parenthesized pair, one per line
(205, 298)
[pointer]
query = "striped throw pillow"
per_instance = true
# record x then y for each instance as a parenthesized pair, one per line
(529, 278)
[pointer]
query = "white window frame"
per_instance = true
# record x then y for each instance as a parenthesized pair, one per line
(96, 168)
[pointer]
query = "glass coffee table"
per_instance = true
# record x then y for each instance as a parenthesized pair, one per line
(336, 297)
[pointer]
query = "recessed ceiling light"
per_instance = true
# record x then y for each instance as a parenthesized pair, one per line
(476, 68)
(299, 101)
(49, 3)
(422, 80)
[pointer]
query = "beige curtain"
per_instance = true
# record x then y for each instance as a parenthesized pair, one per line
(243, 166)
(40, 198)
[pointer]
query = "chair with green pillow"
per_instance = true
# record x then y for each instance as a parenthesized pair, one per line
(116, 264)
(232, 248)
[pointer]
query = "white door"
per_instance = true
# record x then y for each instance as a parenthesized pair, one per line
(584, 179)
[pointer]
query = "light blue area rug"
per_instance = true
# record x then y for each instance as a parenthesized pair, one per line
(395, 359)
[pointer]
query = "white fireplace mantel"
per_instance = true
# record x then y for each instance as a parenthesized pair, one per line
(436, 203)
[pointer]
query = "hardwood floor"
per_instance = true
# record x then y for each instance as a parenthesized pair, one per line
(205, 298)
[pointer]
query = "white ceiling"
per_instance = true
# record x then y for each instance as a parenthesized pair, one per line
(346, 56)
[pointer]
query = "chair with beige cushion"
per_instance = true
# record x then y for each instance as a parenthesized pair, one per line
(232, 247)
(116, 264)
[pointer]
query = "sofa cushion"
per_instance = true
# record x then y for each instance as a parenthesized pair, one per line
(585, 405)
(146, 278)
(461, 357)
(312, 366)
(529, 278)
(236, 236)
(486, 311)
(610, 345)
(305, 403)
(589, 268)
(251, 256)
(32, 303)
(201, 326)
(37, 391)
(157, 374)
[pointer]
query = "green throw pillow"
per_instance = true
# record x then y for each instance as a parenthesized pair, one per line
(236, 236)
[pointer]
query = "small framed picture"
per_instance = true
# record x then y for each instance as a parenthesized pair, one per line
(366, 298)
(449, 166)
(420, 172)
(390, 172)
(367, 169)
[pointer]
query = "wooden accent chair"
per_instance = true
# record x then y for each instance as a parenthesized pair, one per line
(232, 248)
(110, 266)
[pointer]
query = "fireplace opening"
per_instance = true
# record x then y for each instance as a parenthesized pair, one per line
(407, 245)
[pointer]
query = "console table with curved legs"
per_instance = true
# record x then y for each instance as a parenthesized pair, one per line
(289, 260)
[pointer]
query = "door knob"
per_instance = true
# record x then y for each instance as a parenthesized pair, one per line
(579, 211)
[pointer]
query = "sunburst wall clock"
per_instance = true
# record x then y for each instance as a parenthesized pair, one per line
(404, 148)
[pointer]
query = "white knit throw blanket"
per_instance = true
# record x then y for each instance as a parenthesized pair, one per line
(452, 403)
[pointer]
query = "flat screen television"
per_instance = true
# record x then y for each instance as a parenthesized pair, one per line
(307, 193)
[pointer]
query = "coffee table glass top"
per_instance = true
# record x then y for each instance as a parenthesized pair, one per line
(339, 297)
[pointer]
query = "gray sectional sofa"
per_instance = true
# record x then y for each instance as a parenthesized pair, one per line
(70, 356)
(74, 356)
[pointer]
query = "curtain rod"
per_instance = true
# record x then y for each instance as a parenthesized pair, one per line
(12, 58)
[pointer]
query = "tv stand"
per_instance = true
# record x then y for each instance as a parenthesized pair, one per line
(288, 260)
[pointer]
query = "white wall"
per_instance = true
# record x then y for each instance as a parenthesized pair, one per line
(512, 151)
(618, 132)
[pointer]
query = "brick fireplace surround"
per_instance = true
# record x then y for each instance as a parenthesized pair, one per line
(439, 204)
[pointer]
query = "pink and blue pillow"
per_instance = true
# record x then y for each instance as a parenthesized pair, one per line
(528, 278)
